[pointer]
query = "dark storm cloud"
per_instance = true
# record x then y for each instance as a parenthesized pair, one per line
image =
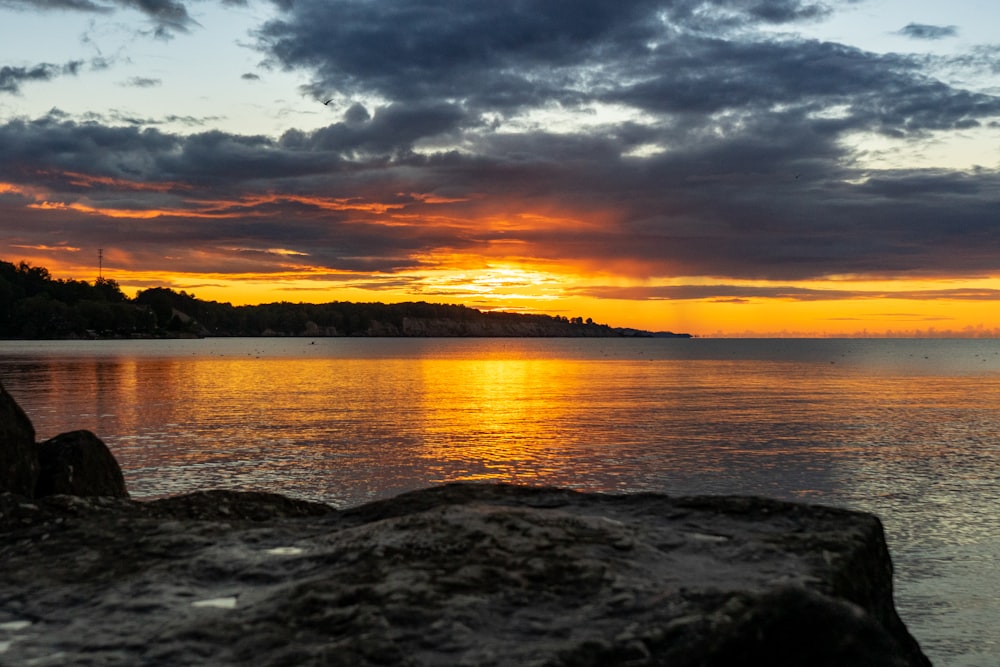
(76, 5)
(116, 117)
(11, 78)
(922, 31)
(886, 93)
(729, 150)
(417, 48)
(392, 128)
(53, 143)
(676, 59)
(491, 55)
(168, 16)
(242, 194)
(696, 213)
(142, 82)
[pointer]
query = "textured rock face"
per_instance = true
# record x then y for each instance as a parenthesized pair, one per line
(18, 460)
(80, 464)
(76, 463)
(455, 575)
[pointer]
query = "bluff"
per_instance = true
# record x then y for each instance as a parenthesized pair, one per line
(35, 305)
(459, 574)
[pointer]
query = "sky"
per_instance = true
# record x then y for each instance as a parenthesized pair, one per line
(727, 168)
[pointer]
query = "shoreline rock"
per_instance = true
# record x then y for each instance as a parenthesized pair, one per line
(458, 574)
(78, 463)
(471, 574)
(18, 457)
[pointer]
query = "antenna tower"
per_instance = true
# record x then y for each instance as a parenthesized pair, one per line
(100, 263)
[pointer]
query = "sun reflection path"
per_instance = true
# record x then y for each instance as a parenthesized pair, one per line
(493, 419)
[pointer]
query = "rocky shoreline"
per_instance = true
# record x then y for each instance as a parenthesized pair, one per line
(459, 574)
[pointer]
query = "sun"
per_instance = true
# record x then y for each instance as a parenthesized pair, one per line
(495, 286)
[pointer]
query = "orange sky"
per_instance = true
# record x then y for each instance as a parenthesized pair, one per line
(515, 262)
(504, 273)
(855, 308)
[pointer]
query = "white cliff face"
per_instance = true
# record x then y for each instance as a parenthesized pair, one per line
(492, 327)
(477, 327)
(468, 574)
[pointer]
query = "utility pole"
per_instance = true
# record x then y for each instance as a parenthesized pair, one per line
(100, 263)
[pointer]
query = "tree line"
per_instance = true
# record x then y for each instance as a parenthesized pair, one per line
(35, 305)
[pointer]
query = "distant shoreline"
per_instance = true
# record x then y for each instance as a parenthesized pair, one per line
(631, 333)
(39, 307)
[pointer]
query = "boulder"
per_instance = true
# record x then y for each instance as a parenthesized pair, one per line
(461, 574)
(18, 460)
(78, 463)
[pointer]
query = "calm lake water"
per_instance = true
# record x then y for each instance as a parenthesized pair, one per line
(906, 429)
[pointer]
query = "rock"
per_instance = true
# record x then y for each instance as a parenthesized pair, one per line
(78, 463)
(462, 574)
(18, 460)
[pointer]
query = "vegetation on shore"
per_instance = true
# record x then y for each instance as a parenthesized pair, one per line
(34, 305)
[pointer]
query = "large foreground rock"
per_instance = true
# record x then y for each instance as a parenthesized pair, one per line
(455, 575)
(18, 458)
(78, 463)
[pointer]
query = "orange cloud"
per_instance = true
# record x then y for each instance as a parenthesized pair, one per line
(324, 203)
(47, 248)
(88, 181)
(215, 208)
(93, 210)
(23, 190)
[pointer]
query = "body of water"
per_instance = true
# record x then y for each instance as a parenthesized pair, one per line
(906, 429)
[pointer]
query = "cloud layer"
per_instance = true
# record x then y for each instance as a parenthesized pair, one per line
(638, 138)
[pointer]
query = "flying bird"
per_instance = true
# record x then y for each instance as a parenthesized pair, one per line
(328, 101)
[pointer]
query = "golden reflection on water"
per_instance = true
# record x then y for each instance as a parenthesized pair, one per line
(907, 430)
(343, 428)
(494, 419)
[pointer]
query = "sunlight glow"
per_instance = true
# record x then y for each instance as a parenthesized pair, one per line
(840, 306)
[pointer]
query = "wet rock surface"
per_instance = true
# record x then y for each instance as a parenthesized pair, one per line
(18, 457)
(78, 463)
(462, 574)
